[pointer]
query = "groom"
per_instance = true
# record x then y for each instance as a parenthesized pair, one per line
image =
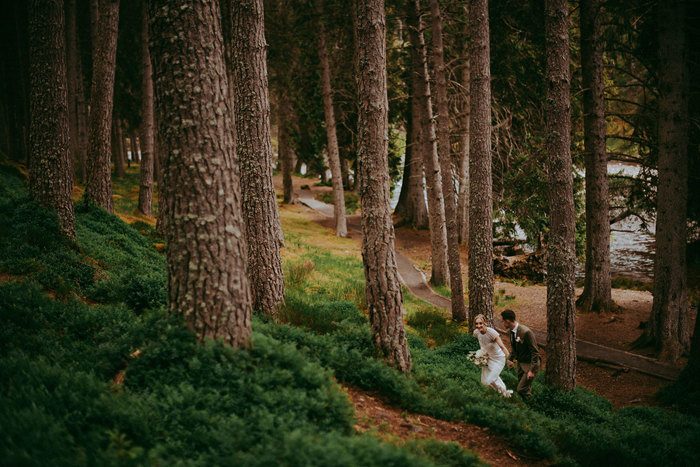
(524, 350)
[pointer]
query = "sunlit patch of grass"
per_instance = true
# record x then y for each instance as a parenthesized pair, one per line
(433, 324)
(503, 300)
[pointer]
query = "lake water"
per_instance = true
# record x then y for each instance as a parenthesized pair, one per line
(631, 246)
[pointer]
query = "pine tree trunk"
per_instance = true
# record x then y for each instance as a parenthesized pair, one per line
(206, 250)
(431, 165)
(596, 294)
(459, 311)
(76, 93)
(98, 185)
(285, 151)
(116, 147)
(411, 205)
(480, 183)
(341, 228)
(147, 136)
(383, 289)
(50, 176)
(669, 328)
(561, 254)
(463, 198)
(254, 151)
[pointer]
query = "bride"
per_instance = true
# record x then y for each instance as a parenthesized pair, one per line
(491, 343)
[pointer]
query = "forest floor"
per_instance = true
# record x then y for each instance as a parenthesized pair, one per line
(619, 329)
(621, 386)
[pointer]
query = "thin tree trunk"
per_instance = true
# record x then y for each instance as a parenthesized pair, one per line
(668, 328)
(411, 206)
(459, 311)
(50, 177)
(431, 165)
(134, 147)
(254, 151)
(147, 136)
(480, 183)
(98, 186)
(285, 151)
(561, 254)
(116, 147)
(463, 198)
(341, 228)
(73, 80)
(596, 294)
(383, 288)
(206, 250)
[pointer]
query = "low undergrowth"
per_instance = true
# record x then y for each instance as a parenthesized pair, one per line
(278, 402)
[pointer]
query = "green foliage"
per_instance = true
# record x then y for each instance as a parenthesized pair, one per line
(352, 200)
(433, 325)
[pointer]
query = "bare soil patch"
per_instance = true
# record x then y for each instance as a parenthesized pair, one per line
(373, 415)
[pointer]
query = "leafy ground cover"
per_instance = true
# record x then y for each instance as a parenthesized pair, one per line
(275, 403)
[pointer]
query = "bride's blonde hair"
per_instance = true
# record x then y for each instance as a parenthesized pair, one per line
(482, 317)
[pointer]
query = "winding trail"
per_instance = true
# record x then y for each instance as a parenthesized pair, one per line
(588, 351)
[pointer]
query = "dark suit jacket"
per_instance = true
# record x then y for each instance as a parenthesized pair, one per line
(525, 348)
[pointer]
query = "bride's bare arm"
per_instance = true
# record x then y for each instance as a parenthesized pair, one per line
(503, 347)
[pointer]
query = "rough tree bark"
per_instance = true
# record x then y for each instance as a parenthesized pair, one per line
(433, 179)
(383, 289)
(459, 310)
(463, 197)
(286, 153)
(116, 146)
(411, 205)
(50, 177)
(561, 254)
(98, 184)
(254, 152)
(118, 156)
(147, 135)
(76, 93)
(206, 251)
(480, 251)
(596, 294)
(341, 228)
(669, 328)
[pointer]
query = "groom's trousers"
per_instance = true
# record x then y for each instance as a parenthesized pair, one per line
(524, 384)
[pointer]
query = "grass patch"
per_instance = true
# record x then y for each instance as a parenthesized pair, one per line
(352, 200)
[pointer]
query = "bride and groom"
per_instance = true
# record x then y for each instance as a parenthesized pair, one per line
(524, 351)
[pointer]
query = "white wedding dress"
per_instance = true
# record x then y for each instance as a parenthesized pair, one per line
(491, 373)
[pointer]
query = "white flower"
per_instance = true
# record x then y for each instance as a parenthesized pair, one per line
(479, 357)
(517, 339)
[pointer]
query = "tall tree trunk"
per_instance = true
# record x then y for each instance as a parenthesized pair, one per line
(285, 150)
(459, 311)
(411, 205)
(668, 327)
(383, 288)
(147, 136)
(98, 185)
(561, 253)
(341, 228)
(480, 183)
(206, 250)
(464, 102)
(134, 148)
(50, 177)
(254, 151)
(116, 147)
(596, 294)
(431, 165)
(76, 93)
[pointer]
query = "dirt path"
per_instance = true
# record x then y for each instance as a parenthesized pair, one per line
(387, 422)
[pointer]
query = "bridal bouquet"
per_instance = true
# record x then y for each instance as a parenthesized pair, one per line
(478, 357)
